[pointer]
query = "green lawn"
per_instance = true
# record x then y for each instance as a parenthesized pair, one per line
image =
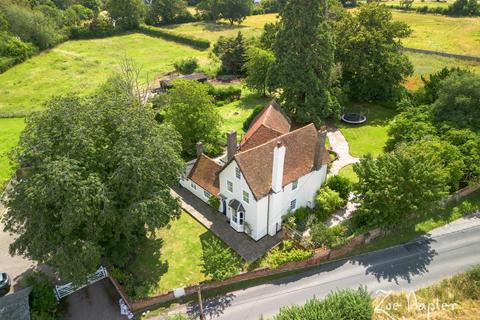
(235, 113)
(81, 66)
(348, 172)
(416, 4)
(10, 130)
(173, 258)
(371, 136)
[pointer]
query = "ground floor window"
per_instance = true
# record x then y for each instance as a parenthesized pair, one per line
(207, 194)
(293, 204)
(238, 217)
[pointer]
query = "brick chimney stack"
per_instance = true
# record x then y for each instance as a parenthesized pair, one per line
(199, 149)
(231, 144)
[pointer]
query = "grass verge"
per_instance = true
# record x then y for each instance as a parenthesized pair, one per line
(10, 129)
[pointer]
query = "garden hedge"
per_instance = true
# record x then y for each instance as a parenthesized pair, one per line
(173, 36)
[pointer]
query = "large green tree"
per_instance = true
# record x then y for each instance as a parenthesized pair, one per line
(166, 11)
(235, 11)
(373, 66)
(257, 68)
(458, 103)
(127, 14)
(231, 52)
(405, 182)
(190, 109)
(94, 178)
(304, 67)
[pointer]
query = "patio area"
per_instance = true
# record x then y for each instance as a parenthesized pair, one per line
(242, 244)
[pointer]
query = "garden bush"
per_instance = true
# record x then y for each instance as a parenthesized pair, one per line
(214, 202)
(340, 184)
(339, 305)
(248, 121)
(43, 304)
(328, 201)
(225, 94)
(173, 36)
(186, 66)
(219, 262)
(332, 237)
(286, 252)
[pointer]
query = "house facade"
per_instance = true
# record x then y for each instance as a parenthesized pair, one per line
(273, 171)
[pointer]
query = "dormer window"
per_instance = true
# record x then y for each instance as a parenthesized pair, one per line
(295, 184)
(238, 174)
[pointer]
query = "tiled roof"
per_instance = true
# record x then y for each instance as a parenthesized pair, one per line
(271, 122)
(205, 174)
(256, 163)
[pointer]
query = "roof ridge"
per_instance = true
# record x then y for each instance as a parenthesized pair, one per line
(279, 137)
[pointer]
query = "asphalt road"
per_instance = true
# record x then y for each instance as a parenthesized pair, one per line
(444, 252)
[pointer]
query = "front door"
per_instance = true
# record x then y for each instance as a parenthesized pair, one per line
(224, 207)
(238, 220)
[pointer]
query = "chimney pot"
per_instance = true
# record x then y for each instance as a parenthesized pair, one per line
(231, 144)
(199, 149)
(279, 143)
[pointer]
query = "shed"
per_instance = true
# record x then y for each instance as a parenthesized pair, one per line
(166, 83)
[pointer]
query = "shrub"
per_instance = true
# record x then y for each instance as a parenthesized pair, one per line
(340, 184)
(173, 36)
(219, 261)
(248, 121)
(332, 237)
(343, 304)
(43, 304)
(226, 93)
(286, 252)
(327, 202)
(186, 66)
(214, 202)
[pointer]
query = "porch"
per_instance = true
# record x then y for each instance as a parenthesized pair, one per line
(216, 222)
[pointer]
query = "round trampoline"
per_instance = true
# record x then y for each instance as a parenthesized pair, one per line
(354, 118)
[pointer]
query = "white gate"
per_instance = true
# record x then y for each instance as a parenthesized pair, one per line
(66, 289)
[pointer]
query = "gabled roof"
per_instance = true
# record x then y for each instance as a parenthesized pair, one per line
(205, 174)
(271, 122)
(256, 163)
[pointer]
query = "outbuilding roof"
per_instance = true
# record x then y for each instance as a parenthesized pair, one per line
(270, 123)
(205, 174)
(16, 306)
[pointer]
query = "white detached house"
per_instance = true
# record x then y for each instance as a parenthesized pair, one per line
(272, 172)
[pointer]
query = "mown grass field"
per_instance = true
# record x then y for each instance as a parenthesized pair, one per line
(173, 257)
(416, 4)
(81, 66)
(10, 130)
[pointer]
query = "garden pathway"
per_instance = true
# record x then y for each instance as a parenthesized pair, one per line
(340, 145)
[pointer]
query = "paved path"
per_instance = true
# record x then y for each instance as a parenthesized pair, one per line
(339, 144)
(241, 243)
(445, 251)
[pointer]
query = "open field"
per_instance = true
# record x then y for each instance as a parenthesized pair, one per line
(442, 33)
(425, 64)
(10, 130)
(81, 66)
(173, 258)
(416, 4)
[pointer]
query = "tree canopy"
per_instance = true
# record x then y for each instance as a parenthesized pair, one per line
(257, 68)
(373, 67)
(94, 177)
(304, 68)
(190, 109)
(235, 11)
(407, 181)
(127, 14)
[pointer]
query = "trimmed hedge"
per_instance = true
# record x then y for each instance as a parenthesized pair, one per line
(173, 36)
(448, 11)
(88, 33)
